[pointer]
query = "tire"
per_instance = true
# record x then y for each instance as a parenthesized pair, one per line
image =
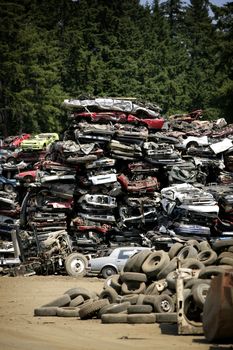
(204, 245)
(171, 280)
(139, 309)
(155, 262)
(68, 312)
(226, 261)
(141, 318)
(75, 292)
(207, 257)
(194, 281)
(132, 298)
(11, 160)
(130, 263)
(114, 318)
(28, 179)
(164, 303)
(117, 308)
(191, 144)
(75, 265)
(133, 276)
(8, 188)
(46, 311)
(174, 250)
(141, 257)
(199, 292)
(193, 264)
(195, 244)
(166, 318)
(222, 244)
(226, 254)
(108, 271)
(77, 301)
(187, 252)
(110, 294)
(115, 283)
(172, 265)
(91, 310)
(63, 300)
(152, 289)
(210, 271)
(133, 287)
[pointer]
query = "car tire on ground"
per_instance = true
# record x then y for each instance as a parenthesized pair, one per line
(76, 264)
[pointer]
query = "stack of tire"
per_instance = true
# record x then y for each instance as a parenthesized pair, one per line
(145, 291)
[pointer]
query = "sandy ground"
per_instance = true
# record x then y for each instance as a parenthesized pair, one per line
(19, 329)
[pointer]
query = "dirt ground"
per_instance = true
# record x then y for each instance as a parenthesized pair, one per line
(20, 330)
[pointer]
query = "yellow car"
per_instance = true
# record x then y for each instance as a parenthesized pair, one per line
(40, 141)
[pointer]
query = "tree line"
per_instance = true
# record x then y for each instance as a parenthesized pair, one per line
(175, 54)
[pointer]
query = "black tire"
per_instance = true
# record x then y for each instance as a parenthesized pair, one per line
(130, 263)
(195, 244)
(108, 271)
(204, 245)
(9, 188)
(226, 261)
(152, 289)
(75, 292)
(193, 264)
(11, 160)
(114, 318)
(91, 310)
(187, 252)
(141, 257)
(63, 300)
(191, 144)
(171, 280)
(76, 264)
(194, 281)
(68, 312)
(199, 292)
(210, 271)
(166, 318)
(77, 301)
(141, 318)
(132, 298)
(164, 303)
(117, 308)
(207, 257)
(139, 309)
(133, 276)
(174, 250)
(133, 287)
(155, 262)
(171, 266)
(28, 179)
(110, 294)
(115, 283)
(46, 311)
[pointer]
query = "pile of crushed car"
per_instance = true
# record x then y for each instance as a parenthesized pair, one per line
(120, 175)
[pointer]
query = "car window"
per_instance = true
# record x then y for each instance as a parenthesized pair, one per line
(125, 254)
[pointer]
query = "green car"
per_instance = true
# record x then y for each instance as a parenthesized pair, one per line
(40, 141)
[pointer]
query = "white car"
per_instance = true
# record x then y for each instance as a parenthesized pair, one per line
(194, 141)
(113, 262)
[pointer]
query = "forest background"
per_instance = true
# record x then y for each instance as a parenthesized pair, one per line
(175, 54)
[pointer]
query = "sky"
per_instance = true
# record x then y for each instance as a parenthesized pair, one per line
(215, 2)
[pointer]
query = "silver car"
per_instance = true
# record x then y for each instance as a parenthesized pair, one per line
(113, 262)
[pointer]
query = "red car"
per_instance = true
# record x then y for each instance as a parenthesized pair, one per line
(151, 123)
(26, 176)
(15, 141)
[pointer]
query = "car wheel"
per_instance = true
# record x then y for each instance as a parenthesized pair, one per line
(28, 179)
(11, 160)
(192, 144)
(75, 264)
(8, 188)
(108, 271)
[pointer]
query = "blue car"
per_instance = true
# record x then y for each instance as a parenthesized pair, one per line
(7, 185)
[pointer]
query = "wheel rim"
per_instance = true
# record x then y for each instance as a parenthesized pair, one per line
(8, 188)
(109, 272)
(77, 266)
(165, 305)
